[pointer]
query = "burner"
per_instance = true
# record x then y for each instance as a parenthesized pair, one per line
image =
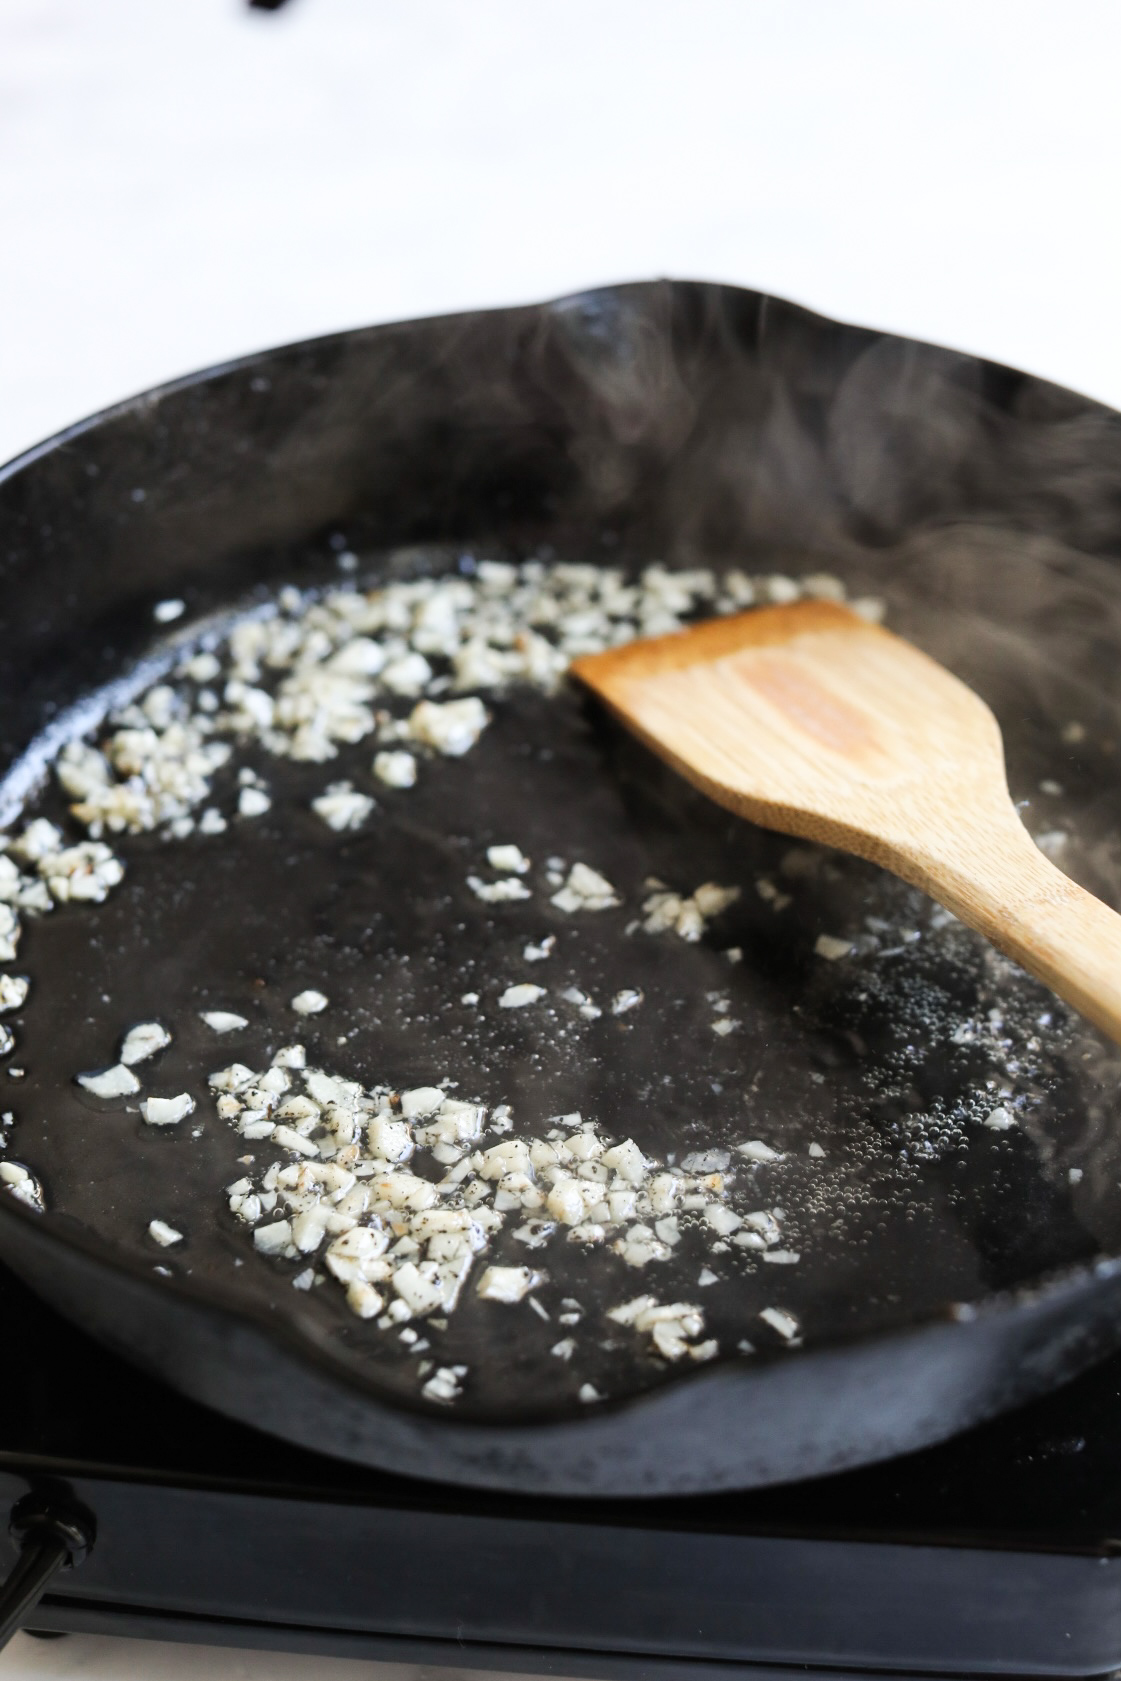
(993, 1553)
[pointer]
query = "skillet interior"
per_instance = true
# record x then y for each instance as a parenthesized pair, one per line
(692, 424)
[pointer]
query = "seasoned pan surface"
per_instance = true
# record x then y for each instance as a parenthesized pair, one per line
(955, 1219)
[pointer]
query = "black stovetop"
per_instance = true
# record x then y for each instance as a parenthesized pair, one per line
(993, 1553)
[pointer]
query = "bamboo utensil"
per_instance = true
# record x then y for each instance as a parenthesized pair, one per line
(810, 720)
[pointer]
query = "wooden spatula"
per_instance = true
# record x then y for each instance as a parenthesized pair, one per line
(810, 720)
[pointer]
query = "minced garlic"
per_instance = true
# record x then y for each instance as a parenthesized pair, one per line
(167, 1111)
(223, 1021)
(164, 1234)
(142, 1042)
(13, 991)
(310, 1002)
(117, 1081)
(518, 996)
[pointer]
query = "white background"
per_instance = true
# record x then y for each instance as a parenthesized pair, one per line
(184, 180)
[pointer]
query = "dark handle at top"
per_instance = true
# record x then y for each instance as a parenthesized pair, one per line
(51, 1538)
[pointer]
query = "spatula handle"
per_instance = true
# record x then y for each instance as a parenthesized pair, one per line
(1005, 887)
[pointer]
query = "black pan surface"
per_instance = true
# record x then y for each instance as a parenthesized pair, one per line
(947, 1269)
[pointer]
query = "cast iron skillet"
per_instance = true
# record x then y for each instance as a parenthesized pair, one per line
(693, 424)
